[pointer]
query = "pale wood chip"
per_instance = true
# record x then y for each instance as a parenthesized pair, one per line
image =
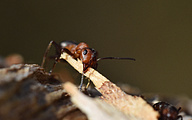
(130, 105)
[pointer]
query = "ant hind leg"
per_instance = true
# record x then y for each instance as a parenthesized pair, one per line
(58, 49)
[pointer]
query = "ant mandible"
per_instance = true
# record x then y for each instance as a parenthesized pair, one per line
(167, 111)
(82, 51)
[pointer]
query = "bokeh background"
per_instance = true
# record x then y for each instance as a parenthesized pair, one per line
(157, 33)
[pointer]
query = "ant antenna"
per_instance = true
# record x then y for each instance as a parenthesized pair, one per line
(117, 58)
(179, 109)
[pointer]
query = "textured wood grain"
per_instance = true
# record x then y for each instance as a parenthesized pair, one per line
(27, 92)
(130, 105)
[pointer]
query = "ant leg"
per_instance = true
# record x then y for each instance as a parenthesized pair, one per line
(47, 50)
(54, 64)
(88, 83)
(81, 84)
(180, 117)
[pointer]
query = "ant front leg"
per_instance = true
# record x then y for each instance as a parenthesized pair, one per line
(58, 52)
(85, 67)
(81, 84)
(89, 81)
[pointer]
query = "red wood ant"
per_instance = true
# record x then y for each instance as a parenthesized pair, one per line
(82, 51)
(167, 111)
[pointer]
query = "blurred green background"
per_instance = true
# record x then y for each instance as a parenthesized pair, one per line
(157, 33)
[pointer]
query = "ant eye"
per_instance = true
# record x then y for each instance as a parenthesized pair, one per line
(85, 52)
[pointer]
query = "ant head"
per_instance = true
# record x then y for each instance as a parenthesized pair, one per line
(170, 112)
(85, 53)
(88, 55)
(167, 111)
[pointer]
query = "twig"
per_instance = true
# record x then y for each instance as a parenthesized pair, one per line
(130, 105)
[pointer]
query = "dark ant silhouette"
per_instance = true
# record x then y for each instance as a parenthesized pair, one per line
(82, 51)
(167, 111)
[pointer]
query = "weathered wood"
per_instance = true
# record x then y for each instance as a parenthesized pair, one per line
(27, 92)
(95, 108)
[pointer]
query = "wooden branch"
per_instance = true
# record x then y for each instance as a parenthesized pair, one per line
(29, 93)
(130, 105)
(95, 76)
(94, 108)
